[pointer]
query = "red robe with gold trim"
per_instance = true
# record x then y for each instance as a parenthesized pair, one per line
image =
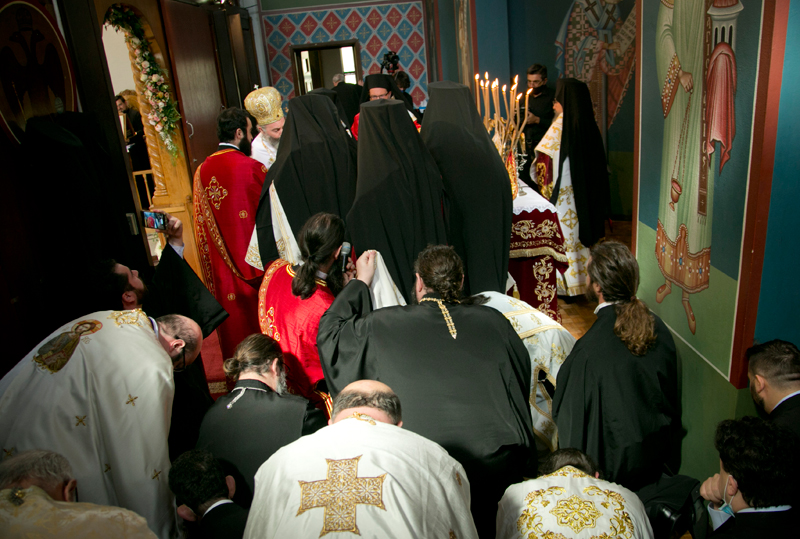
(227, 187)
(294, 324)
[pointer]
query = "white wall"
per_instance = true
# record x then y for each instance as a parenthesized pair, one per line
(119, 63)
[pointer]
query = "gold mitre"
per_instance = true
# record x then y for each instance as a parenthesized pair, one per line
(265, 104)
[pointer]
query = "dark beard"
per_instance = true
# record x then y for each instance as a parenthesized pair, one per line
(335, 277)
(590, 294)
(245, 147)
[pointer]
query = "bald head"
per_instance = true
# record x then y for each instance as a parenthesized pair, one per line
(181, 337)
(368, 397)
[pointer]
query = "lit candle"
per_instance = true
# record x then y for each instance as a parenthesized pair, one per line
(519, 118)
(477, 95)
(505, 99)
(496, 98)
(485, 103)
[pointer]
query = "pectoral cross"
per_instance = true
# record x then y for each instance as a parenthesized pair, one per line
(610, 17)
(590, 7)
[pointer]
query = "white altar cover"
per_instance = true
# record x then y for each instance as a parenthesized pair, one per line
(361, 477)
(99, 391)
(571, 503)
(548, 344)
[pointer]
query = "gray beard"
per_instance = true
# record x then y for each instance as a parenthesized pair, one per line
(280, 385)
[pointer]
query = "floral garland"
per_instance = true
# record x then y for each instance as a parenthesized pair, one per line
(164, 116)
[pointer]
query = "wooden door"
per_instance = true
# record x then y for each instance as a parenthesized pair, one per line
(193, 57)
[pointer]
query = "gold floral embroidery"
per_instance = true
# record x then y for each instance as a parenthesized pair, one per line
(576, 513)
(339, 495)
(530, 519)
(557, 353)
(272, 329)
(266, 316)
(131, 400)
(215, 192)
(243, 214)
(453, 535)
(136, 317)
(231, 297)
(567, 471)
(527, 229)
(570, 219)
(621, 523)
(55, 353)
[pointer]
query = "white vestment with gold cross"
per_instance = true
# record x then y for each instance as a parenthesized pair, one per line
(571, 503)
(361, 477)
(99, 391)
(548, 344)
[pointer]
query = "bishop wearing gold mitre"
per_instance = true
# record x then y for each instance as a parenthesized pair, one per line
(265, 105)
(227, 186)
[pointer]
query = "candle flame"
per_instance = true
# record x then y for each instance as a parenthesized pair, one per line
(516, 80)
(504, 87)
(529, 91)
(519, 96)
(486, 75)
(494, 84)
(477, 76)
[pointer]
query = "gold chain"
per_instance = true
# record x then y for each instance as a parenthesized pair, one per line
(451, 327)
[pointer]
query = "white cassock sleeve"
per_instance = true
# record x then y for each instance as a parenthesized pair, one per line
(106, 409)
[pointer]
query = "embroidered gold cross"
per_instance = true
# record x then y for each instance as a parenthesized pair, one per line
(80, 420)
(131, 400)
(339, 495)
(215, 192)
(156, 473)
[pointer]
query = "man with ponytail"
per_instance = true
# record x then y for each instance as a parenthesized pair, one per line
(293, 298)
(617, 392)
(459, 368)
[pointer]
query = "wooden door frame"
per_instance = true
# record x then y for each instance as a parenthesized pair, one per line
(295, 50)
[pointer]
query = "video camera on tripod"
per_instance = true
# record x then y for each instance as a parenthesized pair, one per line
(390, 62)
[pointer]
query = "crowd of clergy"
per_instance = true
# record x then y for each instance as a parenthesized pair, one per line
(381, 380)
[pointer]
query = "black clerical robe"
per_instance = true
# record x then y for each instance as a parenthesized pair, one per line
(245, 427)
(620, 409)
(176, 289)
(469, 393)
(759, 525)
(787, 414)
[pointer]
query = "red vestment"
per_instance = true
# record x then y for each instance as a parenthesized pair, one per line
(294, 324)
(227, 187)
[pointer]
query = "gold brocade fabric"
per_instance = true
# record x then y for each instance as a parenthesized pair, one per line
(571, 503)
(35, 514)
(265, 105)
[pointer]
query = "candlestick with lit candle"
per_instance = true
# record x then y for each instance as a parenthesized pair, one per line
(518, 124)
(496, 99)
(505, 100)
(477, 95)
(485, 88)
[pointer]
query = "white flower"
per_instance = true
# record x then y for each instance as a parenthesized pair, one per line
(145, 64)
(161, 105)
(143, 77)
(154, 78)
(159, 128)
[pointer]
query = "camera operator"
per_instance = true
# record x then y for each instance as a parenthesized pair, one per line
(380, 86)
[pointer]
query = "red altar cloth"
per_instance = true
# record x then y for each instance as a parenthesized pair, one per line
(537, 252)
(294, 324)
(227, 187)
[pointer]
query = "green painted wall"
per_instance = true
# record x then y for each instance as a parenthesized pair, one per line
(621, 179)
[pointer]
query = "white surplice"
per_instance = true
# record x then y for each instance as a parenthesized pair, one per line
(361, 477)
(263, 150)
(571, 503)
(573, 281)
(548, 344)
(99, 391)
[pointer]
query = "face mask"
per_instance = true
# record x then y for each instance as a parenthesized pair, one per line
(726, 507)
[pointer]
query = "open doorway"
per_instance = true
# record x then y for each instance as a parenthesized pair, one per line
(315, 65)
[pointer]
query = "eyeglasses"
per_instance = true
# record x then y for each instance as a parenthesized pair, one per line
(182, 360)
(382, 96)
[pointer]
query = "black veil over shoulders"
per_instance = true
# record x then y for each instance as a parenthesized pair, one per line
(314, 171)
(476, 182)
(582, 143)
(400, 199)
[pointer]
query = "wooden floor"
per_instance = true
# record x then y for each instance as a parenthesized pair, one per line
(577, 313)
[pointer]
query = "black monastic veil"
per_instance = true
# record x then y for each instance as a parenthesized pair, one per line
(476, 182)
(582, 143)
(400, 199)
(314, 172)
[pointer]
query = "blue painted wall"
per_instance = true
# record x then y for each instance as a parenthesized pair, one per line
(780, 295)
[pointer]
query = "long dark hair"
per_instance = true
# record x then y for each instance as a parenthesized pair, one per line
(441, 269)
(616, 271)
(319, 239)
